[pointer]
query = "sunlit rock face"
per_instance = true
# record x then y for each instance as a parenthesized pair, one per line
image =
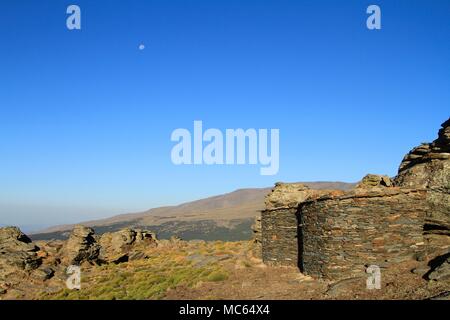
(428, 166)
(17, 254)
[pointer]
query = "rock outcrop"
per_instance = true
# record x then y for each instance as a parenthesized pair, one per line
(18, 257)
(80, 247)
(125, 245)
(428, 166)
(116, 247)
(17, 252)
(23, 263)
(374, 180)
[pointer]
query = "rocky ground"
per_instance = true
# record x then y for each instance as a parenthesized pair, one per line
(132, 264)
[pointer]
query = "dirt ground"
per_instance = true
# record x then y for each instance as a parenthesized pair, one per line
(251, 280)
(288, 284)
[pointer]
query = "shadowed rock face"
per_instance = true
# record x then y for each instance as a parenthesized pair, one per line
(17, 253)
(80, 247)
(441, 271)
(428, 166)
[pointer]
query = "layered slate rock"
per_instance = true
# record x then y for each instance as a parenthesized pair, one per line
(336, 234)
(279, 222)
(81, 247)
(343, 235)
(286, 196)
(17, 252)
(116, 247)
(428, 166)
(125, 245)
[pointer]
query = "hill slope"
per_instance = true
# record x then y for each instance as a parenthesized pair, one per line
(225, 217)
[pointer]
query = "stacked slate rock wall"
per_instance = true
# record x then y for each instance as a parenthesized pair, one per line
(343, 235)
(280, 239)
(336, 234)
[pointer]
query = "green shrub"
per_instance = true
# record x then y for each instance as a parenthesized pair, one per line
(217, 276)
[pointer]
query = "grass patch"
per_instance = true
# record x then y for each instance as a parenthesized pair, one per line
(165, 269)
(217, 276)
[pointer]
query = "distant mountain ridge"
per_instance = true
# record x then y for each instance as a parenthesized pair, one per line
(200, 219)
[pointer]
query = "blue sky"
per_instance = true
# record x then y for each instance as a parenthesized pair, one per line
(86, 117)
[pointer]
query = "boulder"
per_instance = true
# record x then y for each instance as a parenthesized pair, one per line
(291, 195)
(17, 252)
(427, 165)
(80, 247)
(374, 180)
(126, 244)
